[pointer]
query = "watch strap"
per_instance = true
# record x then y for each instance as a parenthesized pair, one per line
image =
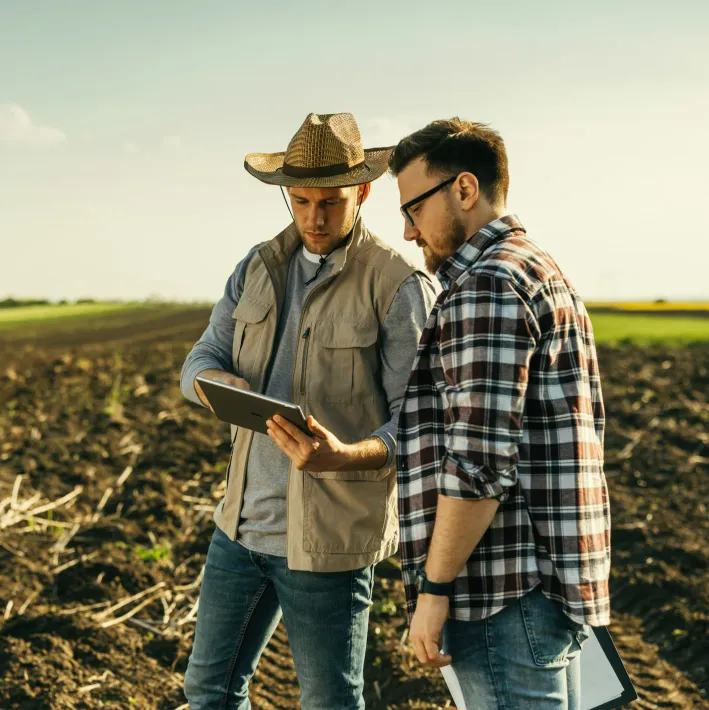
(442, 589)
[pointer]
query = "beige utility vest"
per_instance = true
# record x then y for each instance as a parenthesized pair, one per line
(336, 520)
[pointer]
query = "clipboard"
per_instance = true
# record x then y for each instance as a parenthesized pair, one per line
(595, 674)
(605, 683)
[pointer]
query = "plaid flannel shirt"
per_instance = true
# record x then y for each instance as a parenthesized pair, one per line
(504, 401)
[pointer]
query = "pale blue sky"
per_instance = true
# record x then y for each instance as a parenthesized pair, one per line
(123, 128)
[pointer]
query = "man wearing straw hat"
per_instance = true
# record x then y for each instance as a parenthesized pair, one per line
(327, 316)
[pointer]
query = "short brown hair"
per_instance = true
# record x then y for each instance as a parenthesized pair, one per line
(451, 146)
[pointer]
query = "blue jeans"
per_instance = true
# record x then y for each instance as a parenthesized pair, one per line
(243, 595)
(525, 657)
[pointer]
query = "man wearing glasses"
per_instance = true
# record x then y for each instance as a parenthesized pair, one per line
(503, 504)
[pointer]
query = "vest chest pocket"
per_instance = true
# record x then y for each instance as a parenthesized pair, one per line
(249, 329)
(344, 364)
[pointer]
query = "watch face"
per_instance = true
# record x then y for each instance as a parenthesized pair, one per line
(419, 582)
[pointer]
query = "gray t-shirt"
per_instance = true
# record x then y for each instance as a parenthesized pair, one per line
(262, 526)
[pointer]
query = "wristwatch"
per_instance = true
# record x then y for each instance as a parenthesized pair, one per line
(425, 586)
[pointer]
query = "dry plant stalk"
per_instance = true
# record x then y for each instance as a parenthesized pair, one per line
(16, 490)
(104, 499)
(12, 551)
(61, 501)
(191, 615)
(19, 511)
(124, 476)
(87, 607)
(26, 603)
(168, 613)
(128, 600)
(184, 564)
(76, 561)
(132, 612)
(153, 629)
(65, 539)
(48, 522)
(89, 688)
(192, 585)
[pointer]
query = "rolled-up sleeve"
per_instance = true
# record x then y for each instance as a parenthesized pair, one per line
(487, 338)
(399, 337)
(213, 349)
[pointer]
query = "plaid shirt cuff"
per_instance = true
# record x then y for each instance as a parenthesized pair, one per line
(458, 480)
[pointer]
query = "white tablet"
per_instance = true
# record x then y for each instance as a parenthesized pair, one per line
(247, 409)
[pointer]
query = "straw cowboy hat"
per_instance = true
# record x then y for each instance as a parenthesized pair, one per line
(325, 152)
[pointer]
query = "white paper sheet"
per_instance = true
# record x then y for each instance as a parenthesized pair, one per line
(454, 686)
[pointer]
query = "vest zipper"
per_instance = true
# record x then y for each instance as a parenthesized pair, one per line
(306, 338)
(302, 386)
(306, 334)
(238, 357)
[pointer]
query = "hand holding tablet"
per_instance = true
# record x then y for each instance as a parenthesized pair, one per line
(226, 378)
(244, 408)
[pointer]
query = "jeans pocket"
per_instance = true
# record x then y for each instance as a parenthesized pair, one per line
(551, 638)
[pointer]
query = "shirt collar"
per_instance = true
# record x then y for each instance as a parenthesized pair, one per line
(309, 256)
(469, 252)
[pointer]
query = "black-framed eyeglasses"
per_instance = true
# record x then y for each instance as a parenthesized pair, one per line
(408, 205)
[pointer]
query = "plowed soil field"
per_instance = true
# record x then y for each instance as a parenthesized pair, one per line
(107, 483)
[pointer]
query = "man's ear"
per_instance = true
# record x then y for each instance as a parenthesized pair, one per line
(363, 192)
(468, 190)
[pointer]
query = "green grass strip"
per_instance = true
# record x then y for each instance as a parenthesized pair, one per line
(642, 329)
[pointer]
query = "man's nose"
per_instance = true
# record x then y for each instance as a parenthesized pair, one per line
(316, 216)
(411, 233)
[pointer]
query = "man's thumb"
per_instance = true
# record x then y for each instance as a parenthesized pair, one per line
(316, 428)
(432, 649)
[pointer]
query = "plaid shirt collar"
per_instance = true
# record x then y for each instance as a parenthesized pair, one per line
(469, 251)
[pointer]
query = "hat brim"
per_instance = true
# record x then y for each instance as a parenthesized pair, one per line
(268, 168)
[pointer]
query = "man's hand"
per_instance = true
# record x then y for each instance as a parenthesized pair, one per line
(322, 451)
(221, 376)
(426, 629)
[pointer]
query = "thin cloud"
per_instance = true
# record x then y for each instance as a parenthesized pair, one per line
(16, 126)
(130, 147)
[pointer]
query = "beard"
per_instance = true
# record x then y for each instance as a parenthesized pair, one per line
(326, 245)
(444, 243)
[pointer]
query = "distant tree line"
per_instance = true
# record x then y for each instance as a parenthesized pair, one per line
(18, 302)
